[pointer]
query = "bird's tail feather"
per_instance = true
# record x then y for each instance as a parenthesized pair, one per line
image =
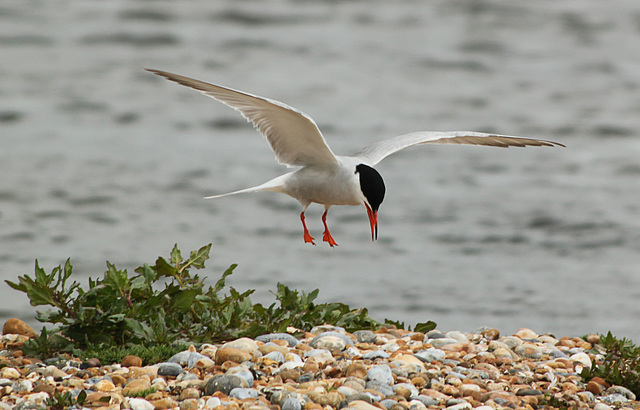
(275, 185)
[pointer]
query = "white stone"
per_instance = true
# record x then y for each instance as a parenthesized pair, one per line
(140, 404)
(581, 358)
(459, 336)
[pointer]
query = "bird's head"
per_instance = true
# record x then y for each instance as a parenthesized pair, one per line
(372, 187)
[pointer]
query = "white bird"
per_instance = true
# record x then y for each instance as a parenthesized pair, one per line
(322, 176)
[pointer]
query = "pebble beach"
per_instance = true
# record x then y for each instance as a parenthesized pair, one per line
(327, 368)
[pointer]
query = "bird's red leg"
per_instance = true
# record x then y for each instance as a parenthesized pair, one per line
(327, 235)
(307, 236)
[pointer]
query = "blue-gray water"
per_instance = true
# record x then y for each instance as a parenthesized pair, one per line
(101, 160)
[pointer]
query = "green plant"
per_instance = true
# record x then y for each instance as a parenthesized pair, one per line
(150, 354)
(61, 401)
(620, 365)
(165, 305)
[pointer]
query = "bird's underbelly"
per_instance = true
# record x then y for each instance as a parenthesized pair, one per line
(323, 188)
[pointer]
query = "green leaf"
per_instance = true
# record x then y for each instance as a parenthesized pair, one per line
(425, 327)
(176, 255)
(197, 258)
(184, 299)
(163, 268)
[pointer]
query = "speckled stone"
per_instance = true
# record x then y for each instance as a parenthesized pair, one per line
(223, 384)
(292, 341)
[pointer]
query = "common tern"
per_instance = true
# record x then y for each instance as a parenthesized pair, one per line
(323, 177)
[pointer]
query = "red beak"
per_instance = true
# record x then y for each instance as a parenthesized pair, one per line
(373, 219)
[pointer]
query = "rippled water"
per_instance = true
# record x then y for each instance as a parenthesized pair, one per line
(104, 161)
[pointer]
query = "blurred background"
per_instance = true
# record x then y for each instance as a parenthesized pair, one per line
(101, 160)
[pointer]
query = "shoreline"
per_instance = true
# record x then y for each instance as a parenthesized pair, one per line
(329, 368)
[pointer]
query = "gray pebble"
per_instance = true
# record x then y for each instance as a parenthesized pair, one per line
(26, 405)
(528, 392)
(383, 388)
(388, 403)
(376, 354)
(326, 328)
(291, 403)
(373, 398)
(381, 373)
(427, 401)
(186, 376)
(434, 334)
(457, 335)
(368, 398)
(621, 390)
(365, 336)
(241, 393)
(276, 356)
(222, 383)
(511, 341)
(169, 369)
(453, 402)
(347, 340)
(557, 354)
(278, 336)
(441, 342)
(22, 386)
(243, 373)
(186, 358)
(431, 354)
(614, 398)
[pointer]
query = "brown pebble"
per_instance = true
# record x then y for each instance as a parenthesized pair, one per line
(153, 396)
(15, 326)
(97, 398)
(190, 393)
(491, 334)
(89, 363)
(332, 399)
(289, 374)
(130, 360)
(137, 386)
(164, 404)
(403, 391)
(231, 354)
(593, 339)
(595, 388)
(417, 336)
(419, 381)
(311, 366)
(356, 370)
(525, 333)
(118, 379)
(44, 387)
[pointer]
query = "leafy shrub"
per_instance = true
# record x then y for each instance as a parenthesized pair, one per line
(620, 365)
(164, 305)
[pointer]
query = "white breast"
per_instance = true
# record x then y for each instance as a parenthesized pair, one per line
(334, 185)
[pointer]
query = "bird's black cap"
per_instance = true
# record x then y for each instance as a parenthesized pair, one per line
(372, 185)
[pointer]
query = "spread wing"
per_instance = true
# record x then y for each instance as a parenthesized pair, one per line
(375, 153)
(293, 136)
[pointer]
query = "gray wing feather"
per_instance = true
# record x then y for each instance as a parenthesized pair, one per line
(293, 136)
(375, 153)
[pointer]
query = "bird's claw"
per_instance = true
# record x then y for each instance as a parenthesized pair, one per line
(308, 238)
(328, 238)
